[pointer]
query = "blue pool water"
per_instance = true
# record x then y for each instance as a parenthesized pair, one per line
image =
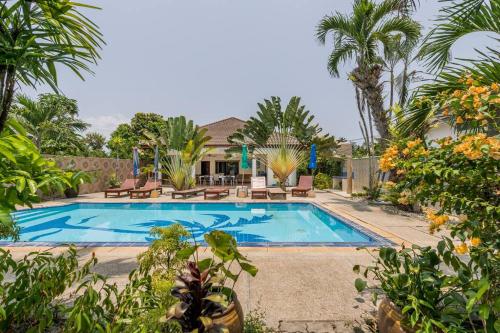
(251, 224)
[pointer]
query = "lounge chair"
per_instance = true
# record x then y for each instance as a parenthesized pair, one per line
(276, 194)
(216, 193)
(305, 185)
(259, 189)
(145, 191)
(188, 193)
(126, 187)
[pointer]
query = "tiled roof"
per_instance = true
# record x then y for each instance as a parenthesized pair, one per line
(220, 130)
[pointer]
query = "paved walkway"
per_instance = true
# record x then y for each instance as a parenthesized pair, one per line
(300, 289)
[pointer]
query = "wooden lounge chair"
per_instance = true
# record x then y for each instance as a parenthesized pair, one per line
(259, 189)
(188, 193)
(145, 191)
(276, 194)
(126, 187)
(216, 193)
(305, 185)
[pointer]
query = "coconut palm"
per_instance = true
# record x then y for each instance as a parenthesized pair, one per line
(36, 37)
(360, 37)
(457, 19)
(51, 122)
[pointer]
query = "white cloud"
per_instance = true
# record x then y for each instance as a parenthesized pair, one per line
(105, 124)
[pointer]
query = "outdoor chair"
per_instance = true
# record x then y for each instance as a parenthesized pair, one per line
(126, 187)
(305, 185)
(259, 189)
(145, 191)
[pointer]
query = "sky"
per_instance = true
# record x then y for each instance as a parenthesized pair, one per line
(212, 59)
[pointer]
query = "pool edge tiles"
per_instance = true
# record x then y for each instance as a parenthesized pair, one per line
(373, 239)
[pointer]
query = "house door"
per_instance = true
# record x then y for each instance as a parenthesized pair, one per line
(205, 168)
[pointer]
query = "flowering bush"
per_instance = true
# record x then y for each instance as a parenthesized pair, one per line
(459, 181)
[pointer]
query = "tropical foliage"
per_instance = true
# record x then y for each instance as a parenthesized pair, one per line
(52, 123)
(205, 288)
(282, 155)
(458, 19)
(23, 172)
(184, 144)
(36, 37)
(362, 36)
(31, 301)
(131, 135)
(458, 179)
(95, 144)
(294, 121)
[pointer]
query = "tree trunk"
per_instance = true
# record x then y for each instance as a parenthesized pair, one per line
(368, 81)
(7, 76)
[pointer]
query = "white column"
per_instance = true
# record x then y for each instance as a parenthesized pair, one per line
(254, 167)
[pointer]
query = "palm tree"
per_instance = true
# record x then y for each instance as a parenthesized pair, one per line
(360, 37)
(35, 36)
(458, 19)
(295, 121)
(51, 122)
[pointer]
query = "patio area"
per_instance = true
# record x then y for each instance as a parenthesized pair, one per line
(300, 289)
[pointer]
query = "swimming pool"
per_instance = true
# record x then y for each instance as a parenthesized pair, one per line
(252, 224)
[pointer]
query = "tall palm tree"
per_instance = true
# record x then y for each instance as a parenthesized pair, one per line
(361, 36)
(51, 122)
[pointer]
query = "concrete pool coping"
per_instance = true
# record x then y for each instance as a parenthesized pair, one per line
(379, 236)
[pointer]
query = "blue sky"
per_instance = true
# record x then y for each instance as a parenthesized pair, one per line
(211, 59)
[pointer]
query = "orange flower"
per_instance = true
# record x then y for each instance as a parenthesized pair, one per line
(459, 120)
(462, 248)
(475, 241)
(495, 87)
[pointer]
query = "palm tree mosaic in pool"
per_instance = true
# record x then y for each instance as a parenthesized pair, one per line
(248, 223)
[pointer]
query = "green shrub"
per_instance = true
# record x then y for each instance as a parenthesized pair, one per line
(322, 181)
(30, 299)
(255, 322)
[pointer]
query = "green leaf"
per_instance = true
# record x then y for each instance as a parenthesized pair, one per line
(250, 269)
(186, 253)
(360, 284)
(484, 311)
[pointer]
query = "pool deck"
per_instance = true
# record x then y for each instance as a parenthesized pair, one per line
(299, 288)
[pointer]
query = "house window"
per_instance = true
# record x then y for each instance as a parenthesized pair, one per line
(227, 168)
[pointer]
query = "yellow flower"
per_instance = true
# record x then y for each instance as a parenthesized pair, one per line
(406, 151)
(469, 81)
(462, 248)
(475, 241)
(459, 120)
(413, 143)
(495, 87)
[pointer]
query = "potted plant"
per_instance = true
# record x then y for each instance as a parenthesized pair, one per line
(426, 289)
(205, 287)
(75, 179)
(113, 181)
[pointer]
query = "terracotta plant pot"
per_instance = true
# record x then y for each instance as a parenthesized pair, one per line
(232, 318)
(389, 319)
